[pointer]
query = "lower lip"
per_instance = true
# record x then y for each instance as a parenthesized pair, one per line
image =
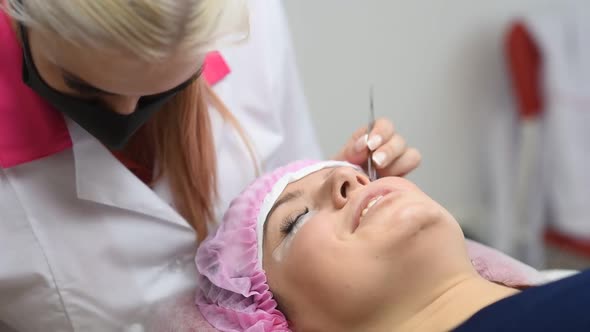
(358, 220)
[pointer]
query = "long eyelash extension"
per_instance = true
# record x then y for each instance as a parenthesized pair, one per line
(290, 222)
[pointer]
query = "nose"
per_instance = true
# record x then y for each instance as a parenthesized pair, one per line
(345, 181)
(122, 105)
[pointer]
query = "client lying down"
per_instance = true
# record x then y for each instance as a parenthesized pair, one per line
(315, 246)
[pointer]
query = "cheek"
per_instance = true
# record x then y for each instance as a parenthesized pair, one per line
(50, 74)
(312, 246)
(46, 69)
(316, 251)
(320, 266)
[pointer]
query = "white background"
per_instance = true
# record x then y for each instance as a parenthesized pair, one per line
(438, 68)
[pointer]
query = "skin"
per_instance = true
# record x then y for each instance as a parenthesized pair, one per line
(122, 77)
(404, 268)
(125, 78)
(390, 152)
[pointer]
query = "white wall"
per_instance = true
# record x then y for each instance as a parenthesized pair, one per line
(437, 67)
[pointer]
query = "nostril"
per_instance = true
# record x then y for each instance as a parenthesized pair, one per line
(344, 189)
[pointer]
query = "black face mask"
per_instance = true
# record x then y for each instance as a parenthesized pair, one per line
(111, 128)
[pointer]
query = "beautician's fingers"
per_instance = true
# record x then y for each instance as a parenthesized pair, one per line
(382, 133)
(404, 164)
(389, 152)
(356, 150)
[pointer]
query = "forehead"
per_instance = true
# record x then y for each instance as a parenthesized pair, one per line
(116, 71)
(294, 191)
(302, 188)
(308, 181)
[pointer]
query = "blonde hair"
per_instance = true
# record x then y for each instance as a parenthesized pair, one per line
(151, 29)
(178, 139)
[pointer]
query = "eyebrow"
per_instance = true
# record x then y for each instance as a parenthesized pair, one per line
(87, 87)
(293, 195)
(92, 89)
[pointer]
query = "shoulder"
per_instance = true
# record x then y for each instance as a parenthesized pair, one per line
(10, 50)
(269, 22)
(268, 41)
(23, 111)
(267, 11)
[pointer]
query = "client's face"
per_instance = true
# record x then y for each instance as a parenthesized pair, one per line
(337, 247)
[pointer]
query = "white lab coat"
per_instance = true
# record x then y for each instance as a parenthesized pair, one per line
(86, 246)
(562, 193)
(274, 113)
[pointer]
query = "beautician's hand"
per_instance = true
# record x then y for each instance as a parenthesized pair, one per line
(391, 155)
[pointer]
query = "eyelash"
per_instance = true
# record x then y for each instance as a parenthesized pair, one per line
(290, 222)
(80, 88)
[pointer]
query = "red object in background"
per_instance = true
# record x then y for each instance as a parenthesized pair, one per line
(524, 62)
(556, 239)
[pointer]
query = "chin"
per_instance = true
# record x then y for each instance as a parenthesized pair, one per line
(419, 217)
(418, 226)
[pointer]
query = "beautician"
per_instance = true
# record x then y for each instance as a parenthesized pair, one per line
(123, 134)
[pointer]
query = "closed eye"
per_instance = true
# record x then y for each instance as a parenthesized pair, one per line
(291, 222)
(82, 87)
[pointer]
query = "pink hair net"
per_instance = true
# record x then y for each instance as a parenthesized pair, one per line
(233, 291)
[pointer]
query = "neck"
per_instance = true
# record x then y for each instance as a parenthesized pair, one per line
(448, 306)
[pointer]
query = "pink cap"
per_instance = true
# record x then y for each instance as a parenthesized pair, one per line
(233, 291)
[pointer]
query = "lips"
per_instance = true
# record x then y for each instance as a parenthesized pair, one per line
(370, 205)
(366, 202)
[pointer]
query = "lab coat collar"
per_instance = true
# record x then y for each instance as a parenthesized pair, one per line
(30, 128)
(102, 179)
